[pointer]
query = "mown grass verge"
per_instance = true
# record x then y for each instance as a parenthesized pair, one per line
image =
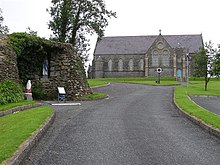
(93, 96)
(17, 127)
(149, 81)
(197, 88)
(12, 105)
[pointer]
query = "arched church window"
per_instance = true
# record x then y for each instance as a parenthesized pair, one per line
(120, 65)
(166, 58)
(110, 65)
(141, 64)
(155, 58)
(131, 65)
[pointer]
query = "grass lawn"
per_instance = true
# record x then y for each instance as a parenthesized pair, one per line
(197, 88)
(17, 127)
(12, 105)
(142, 80)
(95, 95)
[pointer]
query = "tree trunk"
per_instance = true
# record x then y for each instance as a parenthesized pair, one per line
(75, 28)
(206, 84)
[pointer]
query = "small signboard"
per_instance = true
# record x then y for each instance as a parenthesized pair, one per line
(61, 90)
(61, 94)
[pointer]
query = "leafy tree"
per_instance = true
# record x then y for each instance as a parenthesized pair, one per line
(203, 59)
(3, 28)
(73, 20)
(216, 64)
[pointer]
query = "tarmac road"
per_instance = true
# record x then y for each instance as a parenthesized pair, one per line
(210, 103)
(137, 125)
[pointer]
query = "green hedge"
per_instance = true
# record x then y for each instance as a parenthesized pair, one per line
(10, 92)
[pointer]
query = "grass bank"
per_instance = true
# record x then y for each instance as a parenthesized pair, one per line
(149, 81)
(197, 88)
(12, 105)
(17, 127)
(93, 96)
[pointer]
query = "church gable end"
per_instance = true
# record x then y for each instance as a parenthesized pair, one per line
(160, 55)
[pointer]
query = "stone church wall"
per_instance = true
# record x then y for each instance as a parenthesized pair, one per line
(127, 69)
(167, 72)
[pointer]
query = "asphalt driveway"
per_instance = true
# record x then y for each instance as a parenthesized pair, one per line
(210, 103)
(137, 125)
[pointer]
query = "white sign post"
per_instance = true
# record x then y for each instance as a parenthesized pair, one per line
(159, 70)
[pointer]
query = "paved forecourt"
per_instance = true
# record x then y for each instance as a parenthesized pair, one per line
(137, 124)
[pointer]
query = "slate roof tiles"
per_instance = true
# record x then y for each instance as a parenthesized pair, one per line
(140, 44)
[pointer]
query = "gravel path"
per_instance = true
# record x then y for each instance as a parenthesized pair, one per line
(137, 125)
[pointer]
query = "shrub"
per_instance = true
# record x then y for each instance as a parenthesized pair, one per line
(38, 91)
(10, 92)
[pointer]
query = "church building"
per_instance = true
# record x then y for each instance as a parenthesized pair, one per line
(142, 56)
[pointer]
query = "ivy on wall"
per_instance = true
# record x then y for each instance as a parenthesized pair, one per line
(31, 52)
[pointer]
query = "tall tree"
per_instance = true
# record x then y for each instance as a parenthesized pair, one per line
(73, 20)
(216, 63)
(3, 28)
(203, 62)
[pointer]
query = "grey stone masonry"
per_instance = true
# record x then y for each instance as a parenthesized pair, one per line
(65, 70)
(8, 62)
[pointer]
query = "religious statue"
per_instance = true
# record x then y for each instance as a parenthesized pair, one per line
(45, 68)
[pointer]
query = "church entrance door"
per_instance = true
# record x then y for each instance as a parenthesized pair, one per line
(179, 75)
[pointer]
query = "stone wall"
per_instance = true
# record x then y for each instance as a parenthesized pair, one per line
(65, 70)
(8, 62)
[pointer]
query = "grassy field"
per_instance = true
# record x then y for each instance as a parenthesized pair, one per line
(12, 105)
(197, 88)
(17, 127)
(142, 80)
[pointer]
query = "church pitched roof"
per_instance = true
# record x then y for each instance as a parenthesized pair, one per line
(140, 44)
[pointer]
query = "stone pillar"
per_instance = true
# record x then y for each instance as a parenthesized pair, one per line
(184, 68)
(146, 67)
(174, 65)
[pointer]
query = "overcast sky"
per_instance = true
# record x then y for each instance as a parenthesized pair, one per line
(135, 17)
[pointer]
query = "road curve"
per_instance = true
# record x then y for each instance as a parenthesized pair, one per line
(137, 125)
